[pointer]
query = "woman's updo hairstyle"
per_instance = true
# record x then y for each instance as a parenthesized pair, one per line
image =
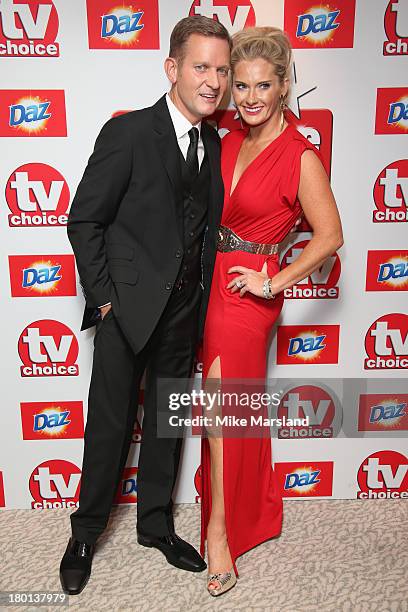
(271, 44)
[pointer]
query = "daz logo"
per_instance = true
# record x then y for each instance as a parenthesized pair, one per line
(387, 271)
(37, 194)
(42, 275)
(310, 24)
(301, 344)
(28, 29)
(48, 348)
(315, 404)
(305, 480)
(118, 25)
(55, 484)
(384, 413)
(52, 420)
(386, 343)
(383, 475)
(392, 111)
(28, 113)
(127, 490)
(391, 193)
(235, 15)
(396, 28)
(320, 284)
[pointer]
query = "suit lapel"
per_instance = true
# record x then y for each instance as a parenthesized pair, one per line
(216, 194)
(168, 148)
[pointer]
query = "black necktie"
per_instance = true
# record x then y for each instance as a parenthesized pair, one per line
(192, 157)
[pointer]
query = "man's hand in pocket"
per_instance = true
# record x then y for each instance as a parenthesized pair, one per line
(104, 310)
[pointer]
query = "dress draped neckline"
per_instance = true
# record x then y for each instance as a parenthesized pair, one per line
(257, 159)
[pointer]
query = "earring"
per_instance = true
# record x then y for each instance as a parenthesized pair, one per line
(282, 109)
(239, 115)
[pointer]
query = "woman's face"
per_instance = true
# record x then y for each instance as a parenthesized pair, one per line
(256, 90)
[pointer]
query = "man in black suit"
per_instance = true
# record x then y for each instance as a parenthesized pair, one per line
(143, 227)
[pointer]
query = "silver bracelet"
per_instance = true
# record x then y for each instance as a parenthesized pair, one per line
(267, 289)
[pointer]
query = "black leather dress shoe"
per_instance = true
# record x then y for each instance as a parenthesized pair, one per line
(75, 568)
(177, 552)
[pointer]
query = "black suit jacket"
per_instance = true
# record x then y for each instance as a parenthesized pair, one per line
(126, 220)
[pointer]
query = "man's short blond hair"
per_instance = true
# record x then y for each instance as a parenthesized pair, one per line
(194, 25)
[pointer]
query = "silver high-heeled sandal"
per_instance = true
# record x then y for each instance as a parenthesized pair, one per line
(226, 580)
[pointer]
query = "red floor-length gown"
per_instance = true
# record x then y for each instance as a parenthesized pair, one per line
(262, 208)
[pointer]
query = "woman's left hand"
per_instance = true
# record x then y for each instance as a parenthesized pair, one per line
(250, 280)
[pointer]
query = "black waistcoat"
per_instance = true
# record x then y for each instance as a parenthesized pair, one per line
(195, 202)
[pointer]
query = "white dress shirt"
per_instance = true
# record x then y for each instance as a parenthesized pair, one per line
(182, 126)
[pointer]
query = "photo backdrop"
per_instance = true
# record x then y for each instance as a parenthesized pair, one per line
(341, 342)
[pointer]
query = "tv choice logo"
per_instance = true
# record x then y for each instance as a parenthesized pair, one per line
(39, 113)
(391, 193)
(396, 28)
(235, 15)
(137, 432)
(198, 483)
(316, 125)
(137, 425)
(118, 25)
(2, 497)
(55, 483)
(383, 412)
(198, 362)
(127, 489)
(311, 479)
(37, 195)
(316, 403)
(307, 344)
(387, 271)
(312, 25)
(320, 284)
(386, 343)
(383, 475)
(52, 420)
(48, 348)
(42, 275)
(392, 110)
(224, 121)
(28, 29)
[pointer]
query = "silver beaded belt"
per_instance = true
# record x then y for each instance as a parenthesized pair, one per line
(230, 241)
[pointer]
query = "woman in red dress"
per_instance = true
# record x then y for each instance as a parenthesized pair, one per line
(272, 175)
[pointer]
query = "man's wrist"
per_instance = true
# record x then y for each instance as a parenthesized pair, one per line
(103, 305)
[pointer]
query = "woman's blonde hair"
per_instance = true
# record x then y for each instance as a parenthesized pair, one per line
(271, 44)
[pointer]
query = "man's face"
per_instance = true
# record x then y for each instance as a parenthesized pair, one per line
(200, 79)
